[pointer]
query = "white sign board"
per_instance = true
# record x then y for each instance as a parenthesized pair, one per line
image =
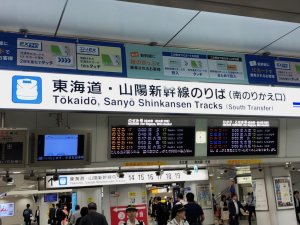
(260, 195)
(244, 180)
(51, 91)
(102, 179)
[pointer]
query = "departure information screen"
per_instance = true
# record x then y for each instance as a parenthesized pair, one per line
(12, 144)
(223, 141)
(152, 141)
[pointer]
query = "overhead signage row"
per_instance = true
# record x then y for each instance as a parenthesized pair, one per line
(103, 179)
(78, 56)
(45, 91)
(63, 55)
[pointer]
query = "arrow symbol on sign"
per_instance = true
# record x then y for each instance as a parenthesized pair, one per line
(51, 180)
(123, 209)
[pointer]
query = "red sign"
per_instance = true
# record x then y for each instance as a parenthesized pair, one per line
(118, 214)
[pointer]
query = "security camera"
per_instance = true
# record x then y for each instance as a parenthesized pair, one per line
(159, 173)
(225, 171)
(293, 168)
(260, 169)
(55, 176)
(120, 173)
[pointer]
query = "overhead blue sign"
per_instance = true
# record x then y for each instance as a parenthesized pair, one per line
(273, 70)
(62, 55)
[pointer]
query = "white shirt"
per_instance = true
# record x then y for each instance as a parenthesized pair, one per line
(135, 223)
(174, 222)
(75, 217)
(236, 207)
(182, 202)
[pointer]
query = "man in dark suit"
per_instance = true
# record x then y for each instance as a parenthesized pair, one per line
(297, 204)
(52, 212)
(234, 208)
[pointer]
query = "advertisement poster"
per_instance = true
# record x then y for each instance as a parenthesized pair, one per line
(204, 196)
(227, 67)
(50, 54)
(118, 214)
(63, 55)
(182, 65)
(7, 209)
(144, 61)
(152, 62)
(260, 195)
(283, 193)
(99, 58)
(273, 70)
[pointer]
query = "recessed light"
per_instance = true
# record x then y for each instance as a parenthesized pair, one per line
(16, 172)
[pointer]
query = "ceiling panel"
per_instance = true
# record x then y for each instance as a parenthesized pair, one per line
(231, 33)
(108, 19)
(40, 16)
(287, 46)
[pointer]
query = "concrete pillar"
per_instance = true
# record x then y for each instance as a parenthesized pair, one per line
(208, 213)
(273, 216)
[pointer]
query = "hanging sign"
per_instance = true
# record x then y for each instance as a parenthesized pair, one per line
(47, 91)
(90, 180)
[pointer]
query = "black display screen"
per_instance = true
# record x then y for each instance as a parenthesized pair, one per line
(52, 147)
(11, 153)
(224, 141)
(152, 141)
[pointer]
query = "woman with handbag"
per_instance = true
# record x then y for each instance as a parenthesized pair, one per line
(224, 210)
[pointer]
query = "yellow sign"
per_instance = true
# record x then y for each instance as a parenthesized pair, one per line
(244, 161)
(128, 164)
(89, 199)
(132, 194)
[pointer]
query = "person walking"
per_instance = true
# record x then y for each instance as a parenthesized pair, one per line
(65, 215)
(93, 217)
(224, 210)
(235, 207)
(180, 199)
(194, 212)
(297, 205)
(162, 212)
(75, 215)
(250, 207)
(131, 213)
(51, 215)
(179, 218)
(27, 214)
(83, 212)
(37, 216)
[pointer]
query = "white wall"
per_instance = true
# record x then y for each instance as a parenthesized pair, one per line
(20, 205)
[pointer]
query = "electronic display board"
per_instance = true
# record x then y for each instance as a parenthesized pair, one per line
(228, 141)
(138, 141)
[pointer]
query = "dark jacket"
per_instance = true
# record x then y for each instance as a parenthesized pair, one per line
(232, 209)
(93, 218)
(52, 213)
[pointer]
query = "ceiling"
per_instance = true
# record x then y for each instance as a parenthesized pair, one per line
(138, 23)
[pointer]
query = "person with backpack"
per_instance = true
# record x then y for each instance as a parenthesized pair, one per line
(194, 212)
(27, 214)
(162, 212)
(131, 212)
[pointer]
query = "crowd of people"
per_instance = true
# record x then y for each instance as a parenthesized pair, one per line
(167, 212)
(179, 213)
(59, 215)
